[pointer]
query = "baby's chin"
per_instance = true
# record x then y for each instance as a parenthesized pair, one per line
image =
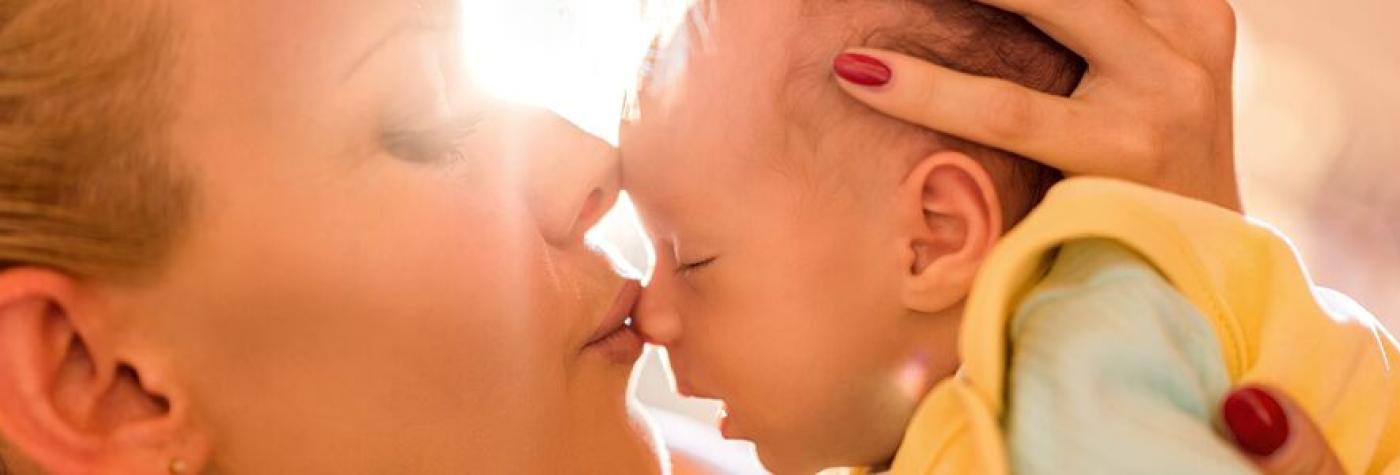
(779, 461)
(779, 450)
(785, 450)
(802, 460)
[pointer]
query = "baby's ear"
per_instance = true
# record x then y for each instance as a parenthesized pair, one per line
(951, 217)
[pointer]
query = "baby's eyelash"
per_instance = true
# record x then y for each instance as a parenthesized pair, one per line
(689, 267)
(438, 142)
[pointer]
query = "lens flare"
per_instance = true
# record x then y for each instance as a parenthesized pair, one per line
(559, 54)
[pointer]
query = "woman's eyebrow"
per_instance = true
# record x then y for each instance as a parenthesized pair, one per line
(398, 29)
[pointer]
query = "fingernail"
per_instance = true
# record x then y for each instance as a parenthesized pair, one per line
(861, 69)
(1257, 421)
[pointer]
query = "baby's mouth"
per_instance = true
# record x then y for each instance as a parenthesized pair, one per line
(723, 417)
(727, 426)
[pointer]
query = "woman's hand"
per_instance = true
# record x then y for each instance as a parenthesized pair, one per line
(1154, 106)
(1278, 437)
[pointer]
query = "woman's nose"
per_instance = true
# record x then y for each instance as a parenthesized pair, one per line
(655, 319)
(573, 177)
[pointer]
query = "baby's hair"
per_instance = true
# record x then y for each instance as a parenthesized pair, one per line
(974, 38)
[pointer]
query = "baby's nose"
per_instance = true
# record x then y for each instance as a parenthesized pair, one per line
(655, 320)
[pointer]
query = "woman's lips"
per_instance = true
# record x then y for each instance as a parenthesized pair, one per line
(623, 346)
(617, 314)
(615, 338)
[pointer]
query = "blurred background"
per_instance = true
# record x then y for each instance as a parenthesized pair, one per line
(1317, 127)
(1318, 137)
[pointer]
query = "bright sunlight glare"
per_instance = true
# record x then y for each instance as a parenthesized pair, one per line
(580, 59)
(575, 57)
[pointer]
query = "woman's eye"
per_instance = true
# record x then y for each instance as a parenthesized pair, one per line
(689, 267)
(438, 142)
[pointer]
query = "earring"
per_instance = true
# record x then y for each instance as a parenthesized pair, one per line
(178, 466)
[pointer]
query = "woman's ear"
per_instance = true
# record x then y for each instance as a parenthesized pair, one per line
(71, 399)
(951, 218)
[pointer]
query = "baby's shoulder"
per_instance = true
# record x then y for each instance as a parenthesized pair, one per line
(1109, 354)
(1101, 300)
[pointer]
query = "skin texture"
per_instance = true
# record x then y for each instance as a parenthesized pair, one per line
(794, 232)
(341, 302)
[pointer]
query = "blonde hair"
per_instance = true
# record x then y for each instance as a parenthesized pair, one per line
(86, 186)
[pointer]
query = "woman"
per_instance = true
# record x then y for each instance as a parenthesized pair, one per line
(277, 237)
(285, 237)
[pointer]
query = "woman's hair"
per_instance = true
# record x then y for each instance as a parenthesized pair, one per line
(86, 184)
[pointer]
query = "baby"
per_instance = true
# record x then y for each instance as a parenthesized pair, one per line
(815, 259)
(809, 248)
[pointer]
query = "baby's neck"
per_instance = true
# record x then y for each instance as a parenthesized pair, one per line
(930, 351)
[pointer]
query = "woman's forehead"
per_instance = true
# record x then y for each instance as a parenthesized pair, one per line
(294, 36)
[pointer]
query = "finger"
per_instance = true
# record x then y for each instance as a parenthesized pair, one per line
(1199, 16)
(1203, 30)
(989, 111)
(1276, 434)
(1110, 34)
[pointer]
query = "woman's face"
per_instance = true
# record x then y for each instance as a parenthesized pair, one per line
(386, 271)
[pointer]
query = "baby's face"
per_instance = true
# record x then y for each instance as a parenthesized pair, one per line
(776, 287)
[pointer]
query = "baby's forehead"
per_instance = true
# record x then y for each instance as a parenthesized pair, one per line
(724, 72)
(753, 78)
(747, 91)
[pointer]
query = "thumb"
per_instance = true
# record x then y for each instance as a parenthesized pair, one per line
(1273, 432)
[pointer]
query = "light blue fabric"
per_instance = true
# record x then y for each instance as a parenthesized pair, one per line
(1114, 371)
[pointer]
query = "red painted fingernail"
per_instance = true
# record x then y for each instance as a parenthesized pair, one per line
(1257, 421)
(861, 69)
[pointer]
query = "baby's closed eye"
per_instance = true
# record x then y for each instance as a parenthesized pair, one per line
(687, 267)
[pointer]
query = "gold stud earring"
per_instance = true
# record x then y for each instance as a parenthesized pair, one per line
(178, 466)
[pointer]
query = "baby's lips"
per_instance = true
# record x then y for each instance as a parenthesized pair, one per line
(722, 418)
